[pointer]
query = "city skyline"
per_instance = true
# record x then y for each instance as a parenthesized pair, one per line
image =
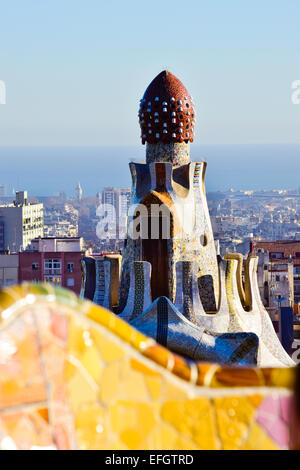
(45, 170)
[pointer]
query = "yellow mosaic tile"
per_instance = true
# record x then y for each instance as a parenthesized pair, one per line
(110, 383)
(132, 422)
(10, 296)
(164, 436)
(81, 391)
(76, 338)
(173, 392)
(132, 438)
(110, 351)
(255, 400)
(116, 445)
(133, 385)
(69, 367)
(283, 377)
(258, 440)
(99, 315)
(154, 385)
(183, 443)
(194, 419)
(92, 363)
(91, 428)
(234, 416)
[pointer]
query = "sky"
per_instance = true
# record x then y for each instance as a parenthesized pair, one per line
(75, 71)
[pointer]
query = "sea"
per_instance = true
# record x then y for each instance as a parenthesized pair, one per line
(44, 171)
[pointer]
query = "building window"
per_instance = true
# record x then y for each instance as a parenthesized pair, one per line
(56, 280)
(52, 266)
(297, 270)
(35, 266)
(265, 267)
(70, 267)
(276, 255)
(277, 278)
(70, 282)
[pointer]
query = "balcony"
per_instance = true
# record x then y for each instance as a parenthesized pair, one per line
(52, 271)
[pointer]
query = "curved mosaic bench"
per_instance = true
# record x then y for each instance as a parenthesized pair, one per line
(75, 376)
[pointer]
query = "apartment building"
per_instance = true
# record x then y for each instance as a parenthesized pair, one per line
(20, 223)
(53, 260)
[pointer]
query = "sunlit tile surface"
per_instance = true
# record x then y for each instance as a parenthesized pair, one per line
(74, 376)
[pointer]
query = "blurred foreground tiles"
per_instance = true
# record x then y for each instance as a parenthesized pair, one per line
(74, 376)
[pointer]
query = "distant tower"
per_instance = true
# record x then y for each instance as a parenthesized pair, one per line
(78, 191)
(99, 198)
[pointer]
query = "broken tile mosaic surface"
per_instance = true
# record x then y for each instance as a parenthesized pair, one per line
(74, 376)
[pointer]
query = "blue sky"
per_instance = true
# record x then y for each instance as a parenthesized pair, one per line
(75, 71)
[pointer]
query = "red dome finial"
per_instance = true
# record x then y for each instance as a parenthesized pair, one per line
(166, 111)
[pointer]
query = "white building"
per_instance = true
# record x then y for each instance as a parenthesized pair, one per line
(275, 280)
(20, 223)
(119, 198)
